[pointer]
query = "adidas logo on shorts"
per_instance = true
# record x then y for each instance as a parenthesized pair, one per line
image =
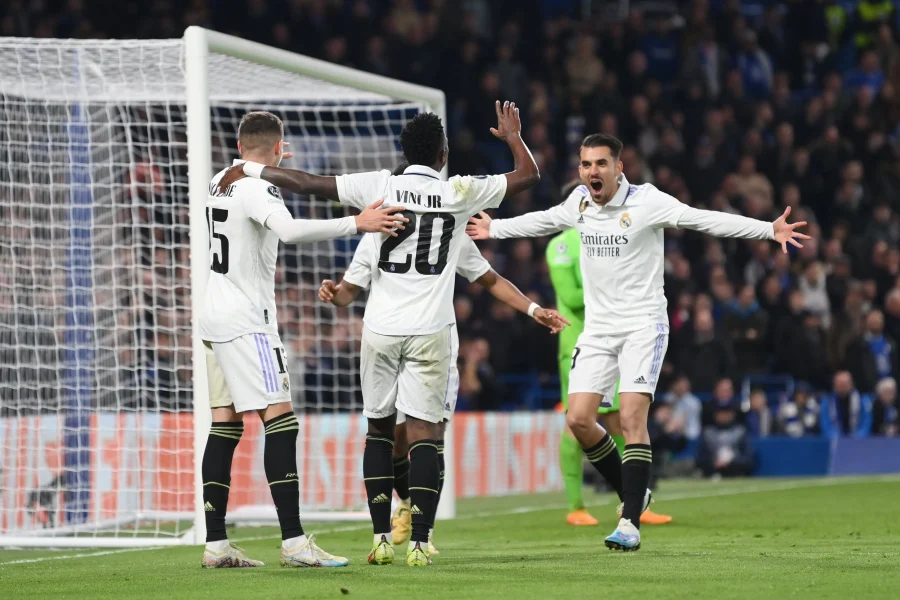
(641, 380)
(380, 499)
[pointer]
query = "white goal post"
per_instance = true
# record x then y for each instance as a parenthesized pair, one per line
(108, 147)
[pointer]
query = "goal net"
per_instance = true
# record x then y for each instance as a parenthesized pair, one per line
(107, 148)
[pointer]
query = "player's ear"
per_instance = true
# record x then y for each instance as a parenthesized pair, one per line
(240, 150)
(620, 166)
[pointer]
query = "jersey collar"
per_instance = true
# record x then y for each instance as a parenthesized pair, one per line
(622, 193)
(421, 170)
(238, 161)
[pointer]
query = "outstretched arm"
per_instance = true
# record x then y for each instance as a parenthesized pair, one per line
(722, 224)
(502, 289)
(534, 224)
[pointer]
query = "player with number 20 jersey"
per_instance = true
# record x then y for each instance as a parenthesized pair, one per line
(407, 337)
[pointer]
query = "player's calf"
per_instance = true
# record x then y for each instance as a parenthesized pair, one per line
(216, 469)
(378, 476)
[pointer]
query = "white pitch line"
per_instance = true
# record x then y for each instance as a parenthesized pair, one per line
(706, 493)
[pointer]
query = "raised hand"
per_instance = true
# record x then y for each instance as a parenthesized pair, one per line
(508, 122)
(327, 291)
(231, 175)
(551, 319)
(785, 232)
(380, 220)
(479, 228)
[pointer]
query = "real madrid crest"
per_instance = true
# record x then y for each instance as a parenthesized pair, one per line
(625, 221)
(286, 384)
(583, 205)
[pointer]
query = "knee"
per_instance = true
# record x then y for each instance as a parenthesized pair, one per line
(633, 426)
(578, 423)
(382, 427)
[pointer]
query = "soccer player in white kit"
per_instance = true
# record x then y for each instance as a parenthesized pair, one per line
(245, 358)
(626, 324)
(407, 341)
(475, 268)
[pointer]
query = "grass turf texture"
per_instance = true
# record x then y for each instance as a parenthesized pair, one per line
(802, 538)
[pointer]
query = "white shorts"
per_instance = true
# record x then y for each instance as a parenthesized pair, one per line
(452, 392)
(635, 358)
(249, 371)
(419, 367)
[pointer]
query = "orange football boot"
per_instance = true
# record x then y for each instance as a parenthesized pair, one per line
(580, 518)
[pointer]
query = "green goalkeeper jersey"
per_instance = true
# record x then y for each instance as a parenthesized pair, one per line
(564, 260)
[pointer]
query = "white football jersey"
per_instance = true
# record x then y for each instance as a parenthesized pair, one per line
(622, 248)
(412, 287)
(472, 263)
(240, 291)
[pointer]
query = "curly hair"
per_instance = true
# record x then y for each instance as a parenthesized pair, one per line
(422, 139)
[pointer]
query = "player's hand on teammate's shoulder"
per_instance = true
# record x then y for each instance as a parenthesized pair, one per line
(327, 290)
(479, 227)
(785, 233)
(375, 219)
(231, 175)
(551, 319)
(508, 121)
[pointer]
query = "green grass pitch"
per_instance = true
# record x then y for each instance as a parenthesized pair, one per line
(797, 538)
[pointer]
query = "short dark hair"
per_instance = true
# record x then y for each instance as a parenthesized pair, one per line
(422, 139)
(398, 170)
(258, 129)
(600, 140)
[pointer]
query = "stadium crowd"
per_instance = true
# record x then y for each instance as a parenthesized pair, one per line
(734, 106)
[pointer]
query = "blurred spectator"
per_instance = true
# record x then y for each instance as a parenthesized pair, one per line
(845, 412)
(756, 67)
(686, 407)
(886, 410)
(800, 343)
(747, 325)
(705, 356)
(725, 449)
(667, 437)
(799, 415)
(873, 355)
(722, 395)
(758, 418)
(478, 387)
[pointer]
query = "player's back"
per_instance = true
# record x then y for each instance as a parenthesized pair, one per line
(412, 289)
(240, 291)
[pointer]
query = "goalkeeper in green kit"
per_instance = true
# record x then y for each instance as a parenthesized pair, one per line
(563, 259)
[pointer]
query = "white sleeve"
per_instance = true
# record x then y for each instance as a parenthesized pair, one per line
(480, 192)
(535, 224)
(294, 231)
(359, 273)
(262, 200)
(472, 264)
(670, 213)
(361, 189)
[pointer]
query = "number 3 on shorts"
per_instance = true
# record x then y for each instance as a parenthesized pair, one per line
(575, 355)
